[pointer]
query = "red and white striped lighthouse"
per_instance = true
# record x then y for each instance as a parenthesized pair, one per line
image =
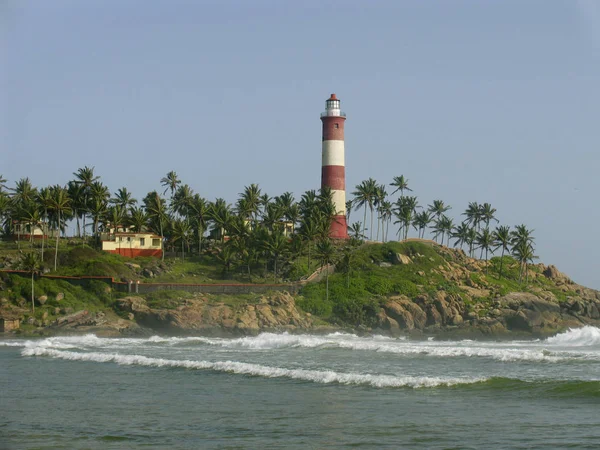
(333, 170)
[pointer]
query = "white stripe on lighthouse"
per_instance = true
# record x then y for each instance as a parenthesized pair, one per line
(339, 201)
(333, 153)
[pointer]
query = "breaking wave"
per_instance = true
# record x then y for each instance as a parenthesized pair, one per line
(577, 337)
(316, 376)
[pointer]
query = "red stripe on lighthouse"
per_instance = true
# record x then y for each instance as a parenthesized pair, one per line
(334, 177)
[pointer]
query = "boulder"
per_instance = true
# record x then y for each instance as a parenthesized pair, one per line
(60, 296)
(399, 258)
(553, 273)
(42, 299)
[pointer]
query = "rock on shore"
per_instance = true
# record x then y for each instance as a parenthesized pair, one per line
(198, 315)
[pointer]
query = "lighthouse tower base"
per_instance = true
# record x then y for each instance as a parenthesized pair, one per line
(339, 228)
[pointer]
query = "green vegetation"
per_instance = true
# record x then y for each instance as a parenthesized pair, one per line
(259, 239)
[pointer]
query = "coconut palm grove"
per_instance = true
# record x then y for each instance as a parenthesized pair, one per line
(251, 235)
(260, 238)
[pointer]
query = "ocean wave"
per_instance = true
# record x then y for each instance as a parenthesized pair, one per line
(316, 376)
(576, 337)
(11, 343)
(380, 344)
(541, 351)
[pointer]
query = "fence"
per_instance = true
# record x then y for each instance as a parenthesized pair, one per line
(135, 287)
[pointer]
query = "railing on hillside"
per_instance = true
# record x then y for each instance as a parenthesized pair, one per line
(136, 287)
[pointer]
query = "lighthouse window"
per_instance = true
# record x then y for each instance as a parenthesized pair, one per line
(336, 125)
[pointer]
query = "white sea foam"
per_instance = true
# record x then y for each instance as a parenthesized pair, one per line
(316, 376)
(12, 343)
(573, 344)
(576, 337)
(440, 349)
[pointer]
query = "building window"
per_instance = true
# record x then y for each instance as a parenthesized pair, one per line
(336, 125)
(155, 242)
(120, 239)
(142, 242)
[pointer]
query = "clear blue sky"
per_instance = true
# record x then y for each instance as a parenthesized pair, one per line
(483, 101)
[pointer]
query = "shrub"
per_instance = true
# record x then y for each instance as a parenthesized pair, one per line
(379, 285)
(318, 307)
(406, 287)
(356, 311)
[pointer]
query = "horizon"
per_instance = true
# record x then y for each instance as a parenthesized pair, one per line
(490, 103)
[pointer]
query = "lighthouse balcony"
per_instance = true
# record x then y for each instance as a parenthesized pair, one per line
(333, 113)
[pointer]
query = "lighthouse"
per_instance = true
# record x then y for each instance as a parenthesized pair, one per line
(333, 170)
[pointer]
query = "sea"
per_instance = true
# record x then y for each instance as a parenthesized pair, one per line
(300, 391)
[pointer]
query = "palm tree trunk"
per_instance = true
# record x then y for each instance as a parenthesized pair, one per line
(371, 208)
(57, 237)
(327, 284)
(501, 261)
(32, 295)
(365, 221)
(162, 240)
(43, 238)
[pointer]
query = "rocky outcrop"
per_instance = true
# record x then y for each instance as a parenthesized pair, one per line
(514, 312)
(276, 312)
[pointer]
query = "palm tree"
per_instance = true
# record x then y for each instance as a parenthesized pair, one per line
(170, 182)
(401, 184)
(364, 196)
(157, 212)
(137, 219)
(473, 213)
(2, 183)
(4, 210)
(115, 215)
(220, 214)
(421, 222)
(182, 200)
(349, 206)
(226, 255)
(355, 231)
(487, 214)
(443, 226)
(502, 239)
(524, 253)
(251, 201)
(326, 254)
(124, 199)
(308, 232)
(77, 194)
(44, 199)
(522, 248)
(437, 208)
(98, 209)
(471, 236)
(182, 233)
(85, 178)
(386, 213)
(31, 263)
(59, 206)
(276, 246)
(405, 213)
(23, 194)
(462, 234)
(198, 214)
(380, 196)
(485, 242)
(347, 256)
